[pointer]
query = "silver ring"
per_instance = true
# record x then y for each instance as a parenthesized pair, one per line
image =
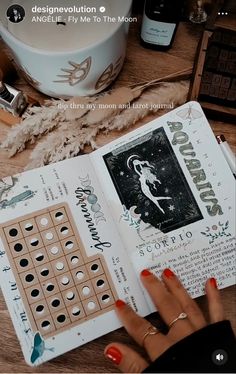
(181, 316)
(151, 330)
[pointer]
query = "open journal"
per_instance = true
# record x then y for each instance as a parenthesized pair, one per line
(75, 235)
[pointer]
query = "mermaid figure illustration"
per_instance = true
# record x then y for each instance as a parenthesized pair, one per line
(147, 178)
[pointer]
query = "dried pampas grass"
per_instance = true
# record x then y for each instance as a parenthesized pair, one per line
(71, 138)
(68, 126)
(151, 101)
(37, 122)
(61, 145)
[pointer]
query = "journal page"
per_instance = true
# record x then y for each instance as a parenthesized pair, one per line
(62, 262)
(172, 196)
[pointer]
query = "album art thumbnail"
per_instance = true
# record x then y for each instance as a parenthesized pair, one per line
(148, 178)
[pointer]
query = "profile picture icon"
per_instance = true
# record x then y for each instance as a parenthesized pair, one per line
(15, 13)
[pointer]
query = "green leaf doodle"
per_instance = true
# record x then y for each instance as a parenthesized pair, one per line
(216, 232)
(127, 217)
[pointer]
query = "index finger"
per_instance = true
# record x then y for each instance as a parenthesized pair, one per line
(215, 306)
(167, 305)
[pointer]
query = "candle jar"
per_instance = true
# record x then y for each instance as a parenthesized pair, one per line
(66, 49)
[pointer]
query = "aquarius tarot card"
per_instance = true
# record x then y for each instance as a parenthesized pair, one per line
(148, 178)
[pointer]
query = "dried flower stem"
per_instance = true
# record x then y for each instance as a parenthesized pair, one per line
(61, 145)
(38, 122)
(181, 75)
(150, 102)
(70, 139)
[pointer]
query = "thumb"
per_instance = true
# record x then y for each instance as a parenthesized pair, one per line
(125, 358)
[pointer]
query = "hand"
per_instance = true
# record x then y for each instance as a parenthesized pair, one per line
(171, 299)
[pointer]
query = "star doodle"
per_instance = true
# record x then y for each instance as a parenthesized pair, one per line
(122, 173)
(171, 208)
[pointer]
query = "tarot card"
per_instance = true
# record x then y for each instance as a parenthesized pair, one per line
(148, 176)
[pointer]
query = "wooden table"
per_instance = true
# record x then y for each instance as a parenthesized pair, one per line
(140, 65)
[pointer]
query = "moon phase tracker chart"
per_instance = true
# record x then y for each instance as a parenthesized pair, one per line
(60, 285)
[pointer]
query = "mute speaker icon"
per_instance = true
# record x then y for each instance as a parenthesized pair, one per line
(219, 357)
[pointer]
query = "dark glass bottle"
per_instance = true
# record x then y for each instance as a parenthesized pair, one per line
(160, 22)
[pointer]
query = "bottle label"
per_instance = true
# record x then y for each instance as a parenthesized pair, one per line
(155, 32)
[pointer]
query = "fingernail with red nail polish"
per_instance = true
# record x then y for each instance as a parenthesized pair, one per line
(145, 273)
(114, 355)
(168, 273)
(120, 303)
(213, 282)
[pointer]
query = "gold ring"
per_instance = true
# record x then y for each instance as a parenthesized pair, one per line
(181, 316)
(151, 330)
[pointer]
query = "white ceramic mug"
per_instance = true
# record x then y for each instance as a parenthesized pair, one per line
(61, 57)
